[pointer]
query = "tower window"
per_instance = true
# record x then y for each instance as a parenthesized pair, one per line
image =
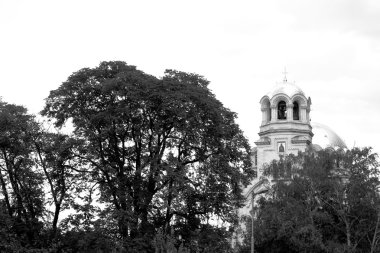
(281, 110)
(296, 110)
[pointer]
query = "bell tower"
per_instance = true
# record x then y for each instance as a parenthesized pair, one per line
(285, 126)
(285, 129)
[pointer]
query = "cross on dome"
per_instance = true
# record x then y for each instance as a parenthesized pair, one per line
(285, 79)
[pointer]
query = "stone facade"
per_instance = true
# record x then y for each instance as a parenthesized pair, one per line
(283, 131)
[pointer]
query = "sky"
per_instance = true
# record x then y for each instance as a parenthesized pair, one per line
(330, 48)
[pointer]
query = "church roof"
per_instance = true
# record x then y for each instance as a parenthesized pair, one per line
(286, 88)
(325, 137)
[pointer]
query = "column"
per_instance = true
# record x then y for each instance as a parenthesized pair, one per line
(264, 112)
(308, 114)
(289, 112)
(303, 113)
(274, 113)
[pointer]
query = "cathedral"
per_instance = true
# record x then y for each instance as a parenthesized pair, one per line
(285, 129)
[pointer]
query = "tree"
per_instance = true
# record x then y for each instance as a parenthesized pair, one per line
(31, 159)
(62, 170)
(328, 202)
(164, 152)
(21, 183)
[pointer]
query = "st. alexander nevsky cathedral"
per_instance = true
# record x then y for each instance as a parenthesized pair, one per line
(285, 129)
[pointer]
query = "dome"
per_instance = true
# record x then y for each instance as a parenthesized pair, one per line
(286, 88)
(324, 137)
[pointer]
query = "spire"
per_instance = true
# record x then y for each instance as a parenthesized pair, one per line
(285, 79)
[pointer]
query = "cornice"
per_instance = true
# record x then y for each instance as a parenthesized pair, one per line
(261, 143)
(300, 141)
(286, 130)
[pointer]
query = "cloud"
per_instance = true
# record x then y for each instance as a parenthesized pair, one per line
(340, 15)
(330, 48)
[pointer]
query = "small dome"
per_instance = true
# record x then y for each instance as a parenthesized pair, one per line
(286, 88)
(324, 137)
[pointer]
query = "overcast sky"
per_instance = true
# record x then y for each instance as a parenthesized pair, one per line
(330, 48)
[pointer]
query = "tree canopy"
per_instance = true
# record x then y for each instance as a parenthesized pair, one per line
(158, 165)
(161, 152)
(322, 202)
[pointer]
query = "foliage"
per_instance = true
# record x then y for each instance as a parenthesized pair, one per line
(163, 153)
(153, 162)
(21, 183)
(62, 170)
(328, 203)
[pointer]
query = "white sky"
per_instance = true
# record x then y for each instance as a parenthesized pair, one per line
(331, 49)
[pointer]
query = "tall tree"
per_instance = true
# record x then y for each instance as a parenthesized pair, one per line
(164, 151)
(21, 182)
(63, 172)
(322, 202)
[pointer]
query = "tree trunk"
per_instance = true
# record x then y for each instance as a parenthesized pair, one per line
(348, 235)
(168, 209)
(5, 192)
(55, 220)
(374, 238)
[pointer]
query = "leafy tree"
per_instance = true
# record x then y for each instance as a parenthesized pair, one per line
(37, 169)
(321, 202)
(21, 182)
(164, 152)
(62, 170)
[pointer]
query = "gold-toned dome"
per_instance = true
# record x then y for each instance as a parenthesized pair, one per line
(325, 137)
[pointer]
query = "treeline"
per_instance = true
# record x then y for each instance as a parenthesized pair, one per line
(149, 164)
(158, 165)
(325, 201)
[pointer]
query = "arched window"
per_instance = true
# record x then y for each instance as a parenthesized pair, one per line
(296, 111)
(281, 110)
